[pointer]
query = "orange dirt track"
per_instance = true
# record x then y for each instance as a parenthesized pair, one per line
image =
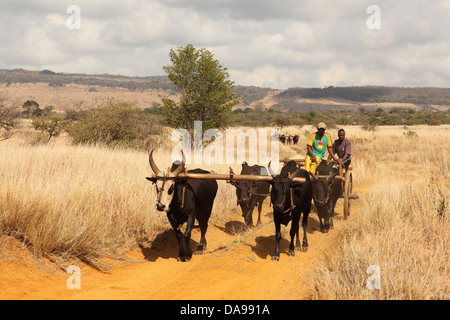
(237, 265)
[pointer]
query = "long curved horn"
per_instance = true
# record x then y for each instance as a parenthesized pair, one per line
(332, 176)
(294, 174)
(153, 164)
(273, 174)
(180, 168)
(313, 176)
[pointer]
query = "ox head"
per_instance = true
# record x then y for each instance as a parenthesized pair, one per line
(281, 184)
(321, 188)
(321, 192)
(165, 182)
(244, 189)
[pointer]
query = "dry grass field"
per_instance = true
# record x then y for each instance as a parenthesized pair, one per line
(91, 204)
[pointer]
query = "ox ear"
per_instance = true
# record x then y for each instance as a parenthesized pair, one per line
(152, 179)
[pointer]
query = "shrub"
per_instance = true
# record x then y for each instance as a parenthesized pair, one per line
(115, 124)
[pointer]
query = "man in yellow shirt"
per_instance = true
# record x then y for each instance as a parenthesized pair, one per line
(317, 144)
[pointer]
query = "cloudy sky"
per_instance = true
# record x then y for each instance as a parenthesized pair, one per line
(269, 43)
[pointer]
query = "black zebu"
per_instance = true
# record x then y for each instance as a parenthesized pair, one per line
(289, 201)
(184, 200)
(251, 194)
(326, 192)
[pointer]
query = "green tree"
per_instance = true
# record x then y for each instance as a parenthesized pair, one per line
(50, 124)
(30, 106)
(116, 123)
(204, 87)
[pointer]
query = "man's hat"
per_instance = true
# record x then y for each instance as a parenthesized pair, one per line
(322, 125)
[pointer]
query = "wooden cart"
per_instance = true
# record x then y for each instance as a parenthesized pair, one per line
(346, 177)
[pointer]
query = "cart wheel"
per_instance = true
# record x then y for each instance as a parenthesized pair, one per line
(347, 191)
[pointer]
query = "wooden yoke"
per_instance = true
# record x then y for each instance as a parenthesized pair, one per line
(219, 176)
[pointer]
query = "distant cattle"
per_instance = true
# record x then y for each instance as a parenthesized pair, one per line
(284, 139)
(326, 192)
(184, 200)
(251, 194)
(289, 201)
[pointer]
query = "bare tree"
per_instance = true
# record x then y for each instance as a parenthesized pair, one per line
(9, 117)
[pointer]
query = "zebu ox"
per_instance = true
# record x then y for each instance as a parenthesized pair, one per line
(289, 201)
(251, 193)
(326, 192)
(184, 200)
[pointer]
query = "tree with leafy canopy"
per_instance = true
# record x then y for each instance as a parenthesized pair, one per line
(205, 91)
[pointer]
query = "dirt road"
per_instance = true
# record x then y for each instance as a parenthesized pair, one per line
(236, 265)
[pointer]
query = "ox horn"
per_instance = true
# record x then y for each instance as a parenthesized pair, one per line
(313, 176)
(294, 174)
(273, 174)
(180, 168)
(153, 164)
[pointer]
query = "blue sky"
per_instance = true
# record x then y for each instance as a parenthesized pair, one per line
(277, 44)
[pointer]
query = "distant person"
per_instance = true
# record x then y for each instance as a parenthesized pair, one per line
(342, 148)
(317, 144)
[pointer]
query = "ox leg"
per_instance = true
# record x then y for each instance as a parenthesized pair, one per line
(293, 233)
(249, 215)
(305, 227)
(331, 206)
(202, 244)
(176, 228)
(179, 237)
(276, 254)
(187, 236)
(245, 213)
(298, 247)
(260, 203)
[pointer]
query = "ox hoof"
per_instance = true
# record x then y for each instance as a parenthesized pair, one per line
(305, 247)
(275, 258)
(291, 253)
(200, 249)
(184, 259)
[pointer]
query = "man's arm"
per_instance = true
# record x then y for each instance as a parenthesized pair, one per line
(330, 151)
(313, 157)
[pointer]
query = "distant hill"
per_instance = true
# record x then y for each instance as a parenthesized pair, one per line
(64, 90)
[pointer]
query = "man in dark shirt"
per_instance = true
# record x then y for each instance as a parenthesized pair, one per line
(343, 148)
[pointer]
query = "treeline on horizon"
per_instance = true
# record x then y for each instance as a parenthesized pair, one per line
(425, 96)
(380, 117)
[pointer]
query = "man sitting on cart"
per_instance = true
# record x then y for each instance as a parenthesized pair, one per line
(317, 144)
(343, 148)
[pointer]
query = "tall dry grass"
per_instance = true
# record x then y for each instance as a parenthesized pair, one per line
(78, 202)
(403, 226)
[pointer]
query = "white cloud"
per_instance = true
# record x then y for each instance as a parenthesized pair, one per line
(266, 43)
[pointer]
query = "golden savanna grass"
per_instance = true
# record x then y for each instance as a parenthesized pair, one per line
(90, 203)
(403, 226)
